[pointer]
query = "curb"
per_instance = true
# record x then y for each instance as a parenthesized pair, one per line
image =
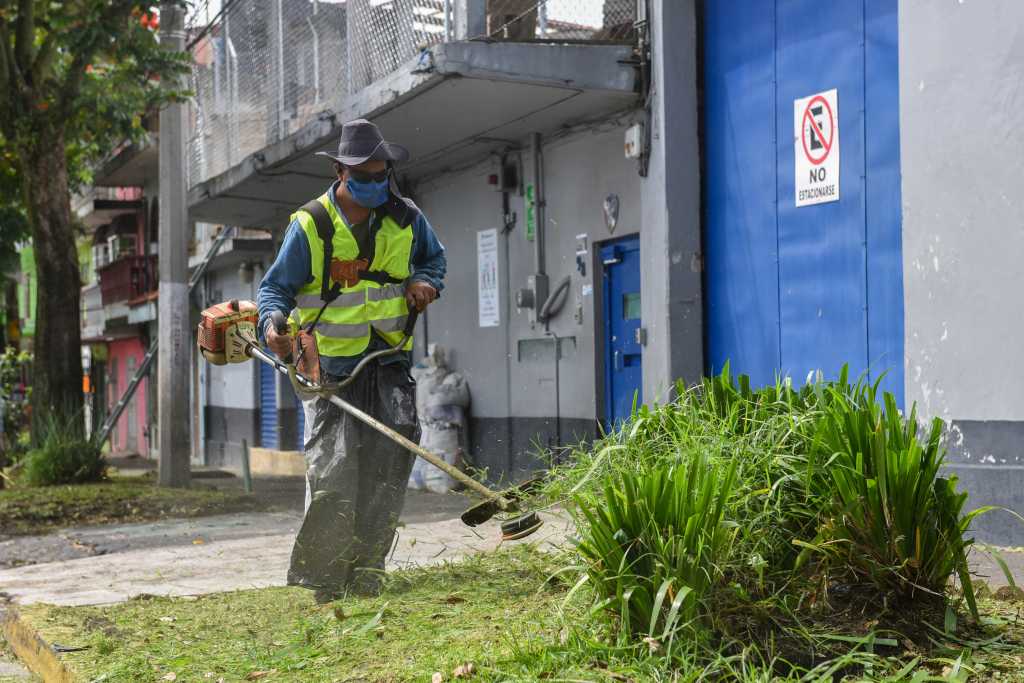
(30, 648)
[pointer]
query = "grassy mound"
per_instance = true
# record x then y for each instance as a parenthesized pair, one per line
(802, 529)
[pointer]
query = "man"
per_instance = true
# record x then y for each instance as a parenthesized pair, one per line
(353, 263)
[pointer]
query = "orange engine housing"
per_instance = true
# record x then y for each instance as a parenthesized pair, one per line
(214, 322)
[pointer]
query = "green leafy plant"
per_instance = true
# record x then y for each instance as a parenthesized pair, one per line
(654, 542)
(893, 520)
(63, 456)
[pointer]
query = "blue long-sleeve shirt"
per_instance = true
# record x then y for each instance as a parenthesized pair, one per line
(293, 270)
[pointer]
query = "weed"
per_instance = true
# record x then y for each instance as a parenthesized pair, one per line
(63, 456)
(892, 520)
(653, 545)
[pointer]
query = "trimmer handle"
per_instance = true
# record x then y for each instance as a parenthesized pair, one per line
(280, 323)
(410, 322)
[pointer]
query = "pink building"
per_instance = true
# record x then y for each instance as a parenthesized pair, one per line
(119, 310)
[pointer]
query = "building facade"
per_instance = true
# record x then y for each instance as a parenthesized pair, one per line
(786, 187)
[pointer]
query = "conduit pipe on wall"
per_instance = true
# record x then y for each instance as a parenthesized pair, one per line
(538, 199)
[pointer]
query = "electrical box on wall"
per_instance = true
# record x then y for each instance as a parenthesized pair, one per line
(506, 177)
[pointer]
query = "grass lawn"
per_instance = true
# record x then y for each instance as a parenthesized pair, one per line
(120, 499)
(499, 612)
(484, 610)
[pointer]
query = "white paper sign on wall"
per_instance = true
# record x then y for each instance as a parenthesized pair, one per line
(816, 148)
(487, 277)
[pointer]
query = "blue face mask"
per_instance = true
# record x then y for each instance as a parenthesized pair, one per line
(370, 195)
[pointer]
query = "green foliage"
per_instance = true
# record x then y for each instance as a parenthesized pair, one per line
(63, 457)
(652, 547)
(15, 412)
(827, 487)
(891, 519)
(14, 226)
(89, 70)
(76, 81)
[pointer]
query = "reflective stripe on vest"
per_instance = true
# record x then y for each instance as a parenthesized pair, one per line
(344, 327)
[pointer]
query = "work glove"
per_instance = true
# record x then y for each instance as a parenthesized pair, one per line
(280, 344)
(419, 294)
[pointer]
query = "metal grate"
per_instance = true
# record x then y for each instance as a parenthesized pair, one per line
(263, 69)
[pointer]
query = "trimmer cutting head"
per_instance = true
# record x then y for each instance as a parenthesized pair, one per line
(519, 527)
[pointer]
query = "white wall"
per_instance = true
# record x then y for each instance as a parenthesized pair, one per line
(580, 170)
(962, 147)
(232, 386)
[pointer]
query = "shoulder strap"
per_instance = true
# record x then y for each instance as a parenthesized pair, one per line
(325, 230)
(401, 209)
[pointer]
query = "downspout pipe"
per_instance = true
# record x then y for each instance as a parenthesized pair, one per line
(539, 202)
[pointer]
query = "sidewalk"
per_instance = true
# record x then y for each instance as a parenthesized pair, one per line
(224, 553)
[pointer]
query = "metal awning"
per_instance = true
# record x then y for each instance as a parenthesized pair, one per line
(453, 104)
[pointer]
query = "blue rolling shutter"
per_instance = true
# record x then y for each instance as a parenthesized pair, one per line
(268, 407)
(300, 444)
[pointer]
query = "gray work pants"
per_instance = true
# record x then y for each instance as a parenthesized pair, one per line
(355, 483)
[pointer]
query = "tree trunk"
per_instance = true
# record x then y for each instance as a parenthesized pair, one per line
(57, 352)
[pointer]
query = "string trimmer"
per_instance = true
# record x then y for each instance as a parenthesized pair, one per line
(227, 334)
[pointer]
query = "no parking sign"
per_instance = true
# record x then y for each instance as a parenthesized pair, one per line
(816, 148)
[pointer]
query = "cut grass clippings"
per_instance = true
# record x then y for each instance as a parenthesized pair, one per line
(502, 613)
(482, 610)
(28, 510)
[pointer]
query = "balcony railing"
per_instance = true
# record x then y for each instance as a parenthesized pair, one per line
(128, 278)
(269, 67)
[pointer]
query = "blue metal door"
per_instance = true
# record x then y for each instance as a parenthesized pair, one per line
(622, 359)
(268, 407)
(793, 289)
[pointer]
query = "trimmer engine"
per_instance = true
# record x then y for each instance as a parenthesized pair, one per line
(225, 329)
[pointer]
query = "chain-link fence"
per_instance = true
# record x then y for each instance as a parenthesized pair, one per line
(265, 68)
(561, 20)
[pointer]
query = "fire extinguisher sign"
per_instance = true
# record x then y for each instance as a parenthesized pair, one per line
(816, 148)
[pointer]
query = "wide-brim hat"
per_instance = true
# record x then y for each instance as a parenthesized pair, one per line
(361, 141)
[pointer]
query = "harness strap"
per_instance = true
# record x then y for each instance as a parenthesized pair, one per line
(366, 241)
(325, 230)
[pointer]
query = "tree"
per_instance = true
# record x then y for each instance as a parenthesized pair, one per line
(75, 79)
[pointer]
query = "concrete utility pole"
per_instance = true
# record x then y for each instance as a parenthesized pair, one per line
(670, 195)
(175, 336)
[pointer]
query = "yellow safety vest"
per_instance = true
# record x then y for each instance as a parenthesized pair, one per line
(344, 327)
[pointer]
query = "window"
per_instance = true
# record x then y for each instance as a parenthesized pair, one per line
(631, 306)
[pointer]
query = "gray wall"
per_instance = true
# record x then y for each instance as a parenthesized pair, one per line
(514, 398)
(962, 147)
